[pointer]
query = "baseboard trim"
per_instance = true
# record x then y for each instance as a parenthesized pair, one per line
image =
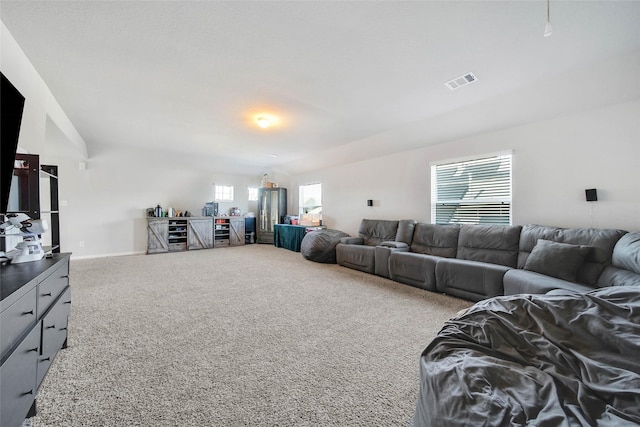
(74, 257)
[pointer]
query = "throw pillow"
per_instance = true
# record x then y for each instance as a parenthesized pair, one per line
(560, 260)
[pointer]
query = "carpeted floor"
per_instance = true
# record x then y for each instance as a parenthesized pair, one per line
(246, 336)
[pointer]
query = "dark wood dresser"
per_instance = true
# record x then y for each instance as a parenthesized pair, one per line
(35, 303)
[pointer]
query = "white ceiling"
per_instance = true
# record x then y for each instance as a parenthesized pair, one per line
(348, 80)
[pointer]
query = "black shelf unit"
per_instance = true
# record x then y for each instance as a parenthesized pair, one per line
(26, 181)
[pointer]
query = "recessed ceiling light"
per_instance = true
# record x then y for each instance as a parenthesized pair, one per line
(275, 156)
(263, 121)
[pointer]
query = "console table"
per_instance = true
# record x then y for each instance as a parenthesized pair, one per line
(290, 236)
(35, 302)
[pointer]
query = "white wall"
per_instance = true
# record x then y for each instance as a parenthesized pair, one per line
(40, 108)
(554, 162)
(107, 202)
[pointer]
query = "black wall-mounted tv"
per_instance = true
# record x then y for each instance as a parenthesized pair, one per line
(11, 107)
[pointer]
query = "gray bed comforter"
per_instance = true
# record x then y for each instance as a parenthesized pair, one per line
(536, 360)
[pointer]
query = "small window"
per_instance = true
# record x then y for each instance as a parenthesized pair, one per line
(310, 200)
(224, 193)
(476, 191)
(253, 194)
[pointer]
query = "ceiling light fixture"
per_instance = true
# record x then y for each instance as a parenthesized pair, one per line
(547, 28)
(263, 122)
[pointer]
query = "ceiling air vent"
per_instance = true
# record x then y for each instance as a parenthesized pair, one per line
(461, 81)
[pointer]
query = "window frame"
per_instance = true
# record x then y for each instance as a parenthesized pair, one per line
(252, 194)
(301, 206)
(225, 190)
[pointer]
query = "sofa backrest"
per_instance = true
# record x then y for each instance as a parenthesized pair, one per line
(625, 263)
(406, 228)
(601, 242)
(376, 231)
(495, 244)
(436, 239)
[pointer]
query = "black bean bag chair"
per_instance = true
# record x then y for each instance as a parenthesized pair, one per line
(320, 245)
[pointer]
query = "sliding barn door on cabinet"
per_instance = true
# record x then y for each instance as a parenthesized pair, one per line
(200, 235)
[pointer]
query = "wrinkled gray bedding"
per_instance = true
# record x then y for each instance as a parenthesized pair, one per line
(540, 360)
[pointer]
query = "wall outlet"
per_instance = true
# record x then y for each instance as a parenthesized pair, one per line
(81, 244)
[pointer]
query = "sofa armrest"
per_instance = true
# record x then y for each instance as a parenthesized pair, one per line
(352, 240)
(383, 251)
(394, 245)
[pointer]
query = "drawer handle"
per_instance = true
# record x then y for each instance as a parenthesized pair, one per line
(32, 349)
(65, 277)
(63, 329)
(48, 294)
(51, 327)
(27, 312)
(28, 392)
(67, 302)
(46, 359)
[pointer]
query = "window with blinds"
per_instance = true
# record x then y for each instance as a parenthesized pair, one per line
(310, 199)
(474, 191)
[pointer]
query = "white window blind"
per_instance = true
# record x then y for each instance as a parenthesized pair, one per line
(474, 191)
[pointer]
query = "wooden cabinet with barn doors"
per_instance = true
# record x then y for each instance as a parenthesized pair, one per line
(172, 234)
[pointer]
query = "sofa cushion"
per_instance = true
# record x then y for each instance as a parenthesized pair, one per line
(626, 253)
(614, 276)
(405, 231)
(601, 241)
(561, 260)
(495, 244)
(470, 280)
(375, 231)
(625, 263)
(435, 239)
(518, 281)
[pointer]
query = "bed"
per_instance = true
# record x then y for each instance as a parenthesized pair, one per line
(538, 360)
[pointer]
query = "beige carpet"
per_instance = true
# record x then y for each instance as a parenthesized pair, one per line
(244, 336)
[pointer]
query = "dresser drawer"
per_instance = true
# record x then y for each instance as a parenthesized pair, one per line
(54, 332)
(51, 287)
(18, 380)
(15, 321)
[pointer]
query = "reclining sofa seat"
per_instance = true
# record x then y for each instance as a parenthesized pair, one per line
(430, 244)
(485, 253)
(359, 252)
(468, 261)
(581, 273)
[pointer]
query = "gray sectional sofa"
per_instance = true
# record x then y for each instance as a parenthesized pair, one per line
(475, 262)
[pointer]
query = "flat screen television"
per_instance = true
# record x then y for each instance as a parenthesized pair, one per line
(11, 107)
